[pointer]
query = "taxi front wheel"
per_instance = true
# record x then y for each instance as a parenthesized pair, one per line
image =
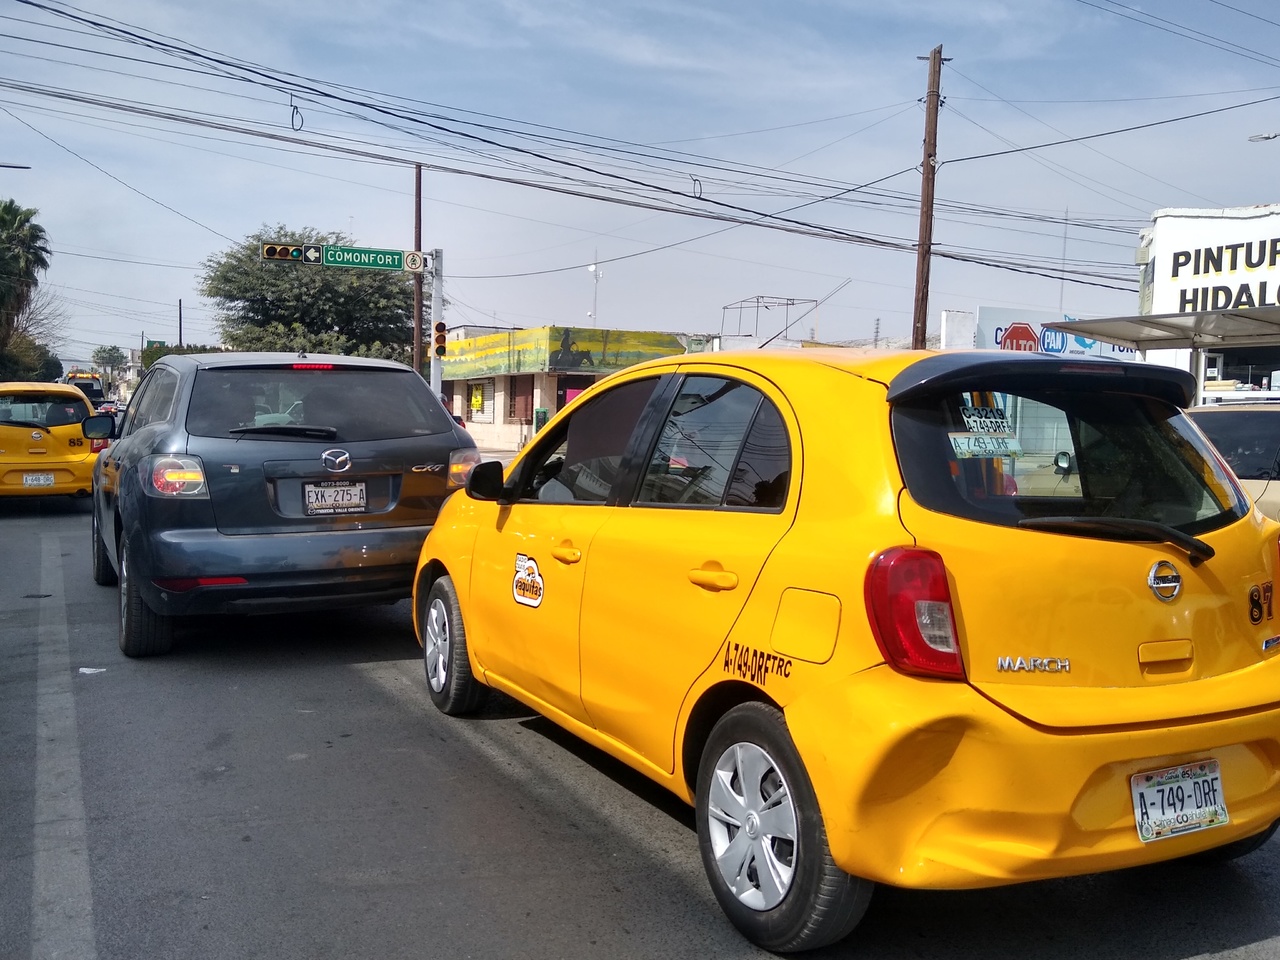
(763, 843)
(453, 688)
(143, 632)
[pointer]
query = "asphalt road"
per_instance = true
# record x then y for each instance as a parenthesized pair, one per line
(281, 788)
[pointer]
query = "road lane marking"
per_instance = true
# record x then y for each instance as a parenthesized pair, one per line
(61, 897)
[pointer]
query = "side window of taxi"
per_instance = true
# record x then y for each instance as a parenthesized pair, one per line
(723, 443)
(155, 403)
(583, 460)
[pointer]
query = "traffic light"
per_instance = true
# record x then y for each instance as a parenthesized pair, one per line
(281, 251)
(439, 338)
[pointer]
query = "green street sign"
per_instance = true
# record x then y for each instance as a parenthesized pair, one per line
(363, 257)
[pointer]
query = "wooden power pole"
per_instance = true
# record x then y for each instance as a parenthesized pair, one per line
(417, 276)
(928, 171)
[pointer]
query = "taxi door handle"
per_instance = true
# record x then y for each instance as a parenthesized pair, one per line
(714, 579)
(566, 554)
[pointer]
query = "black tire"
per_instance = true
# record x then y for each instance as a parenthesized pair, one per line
(104, 575)
(453, 687)
(143, 632)
(1234, 850)
(807, 901)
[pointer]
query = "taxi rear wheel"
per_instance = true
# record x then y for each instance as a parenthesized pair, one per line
(763, 843)
(143, 632)
(453, 688)
(103, 573)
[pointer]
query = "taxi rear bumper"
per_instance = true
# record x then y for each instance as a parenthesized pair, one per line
(940, 788)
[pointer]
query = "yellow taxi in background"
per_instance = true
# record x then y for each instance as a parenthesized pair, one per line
(933, 620)
(43, 450)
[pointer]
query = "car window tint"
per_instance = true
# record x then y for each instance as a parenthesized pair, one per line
(1249, 440)
(583, 458)
(1001, 457)
(698, 445)
(156, 402)
(358, 403)
(764, 469)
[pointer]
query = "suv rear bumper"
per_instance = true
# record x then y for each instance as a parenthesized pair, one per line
(281, 571)
(949, 791)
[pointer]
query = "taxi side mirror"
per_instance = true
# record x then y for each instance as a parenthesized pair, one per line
(98, 427)
(485, 481)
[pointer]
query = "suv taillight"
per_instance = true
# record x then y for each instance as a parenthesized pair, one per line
(909, 606)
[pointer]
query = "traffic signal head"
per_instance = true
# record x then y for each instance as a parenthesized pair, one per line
(280, 251)
(439, 337)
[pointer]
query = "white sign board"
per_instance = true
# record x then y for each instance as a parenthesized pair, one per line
(1005, 328)
(1225, 259)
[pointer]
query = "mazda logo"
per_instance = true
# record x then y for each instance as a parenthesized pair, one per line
(1165, 581)
(336, 461)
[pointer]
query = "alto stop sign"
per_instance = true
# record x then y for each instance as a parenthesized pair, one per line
(1020, 336)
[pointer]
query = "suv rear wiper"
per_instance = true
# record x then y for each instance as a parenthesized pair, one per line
(290, 430)
(1121, 528)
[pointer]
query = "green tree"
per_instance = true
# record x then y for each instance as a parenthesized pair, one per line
(264, 305)
(28, 359)
(153, 353)
(24, 255)
(109, 358)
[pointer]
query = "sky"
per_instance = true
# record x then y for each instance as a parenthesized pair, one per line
(631, 164)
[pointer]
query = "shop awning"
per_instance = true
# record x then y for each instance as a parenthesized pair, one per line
(1208, 330)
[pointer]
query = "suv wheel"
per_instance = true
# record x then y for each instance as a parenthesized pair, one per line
(103, 573)
(143, 632)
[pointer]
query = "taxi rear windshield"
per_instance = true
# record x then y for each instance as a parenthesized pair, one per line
(1004, 457)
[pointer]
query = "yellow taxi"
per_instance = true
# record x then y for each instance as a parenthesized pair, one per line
(933, 620)
(43, 450)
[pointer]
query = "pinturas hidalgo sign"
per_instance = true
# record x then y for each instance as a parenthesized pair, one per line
(1203, 260)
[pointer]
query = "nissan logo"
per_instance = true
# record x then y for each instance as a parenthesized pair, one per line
(336, 461)
(1165, 581)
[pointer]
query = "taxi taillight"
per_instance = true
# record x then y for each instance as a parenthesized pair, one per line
(909, 606)
(97, 446)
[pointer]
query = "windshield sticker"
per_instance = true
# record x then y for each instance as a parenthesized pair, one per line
(754, 665)
(970, 445)
(527, 586)
(986, 420)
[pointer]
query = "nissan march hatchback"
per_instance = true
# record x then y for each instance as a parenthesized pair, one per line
(933, 620)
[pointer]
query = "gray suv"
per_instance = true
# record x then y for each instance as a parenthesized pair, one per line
(265, 482)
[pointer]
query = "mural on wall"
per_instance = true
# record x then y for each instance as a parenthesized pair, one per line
(555, 350)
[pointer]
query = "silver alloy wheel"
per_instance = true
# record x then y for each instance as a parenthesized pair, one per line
(751, 822)
(124, 590)
(435, 644)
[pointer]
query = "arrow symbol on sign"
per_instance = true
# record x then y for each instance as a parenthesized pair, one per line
(312, 254)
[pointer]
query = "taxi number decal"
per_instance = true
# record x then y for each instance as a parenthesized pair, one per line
(754, 665)
(527, 587)
(1260, 602)
(75, 442)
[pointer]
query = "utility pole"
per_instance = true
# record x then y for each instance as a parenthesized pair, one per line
(437, 311)
(417, 276)
(928, 170)
(179, 322)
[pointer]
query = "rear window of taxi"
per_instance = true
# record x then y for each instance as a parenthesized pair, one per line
(1003, 457)
(42, 409)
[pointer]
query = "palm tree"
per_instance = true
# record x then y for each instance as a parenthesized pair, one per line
(24, 255)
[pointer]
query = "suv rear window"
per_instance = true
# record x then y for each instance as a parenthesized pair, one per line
(358, 403)
(1001, 457)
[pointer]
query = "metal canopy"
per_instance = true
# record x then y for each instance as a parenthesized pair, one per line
(1207, 330)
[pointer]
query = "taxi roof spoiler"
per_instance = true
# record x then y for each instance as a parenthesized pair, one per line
(961, 369)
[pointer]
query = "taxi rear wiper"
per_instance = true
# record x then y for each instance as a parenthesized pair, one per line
(1123, 528)
(291, 430)
(24, 423)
